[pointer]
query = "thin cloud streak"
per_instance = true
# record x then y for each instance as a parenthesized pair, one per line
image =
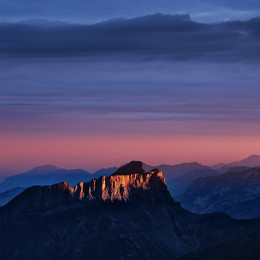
(124, 91)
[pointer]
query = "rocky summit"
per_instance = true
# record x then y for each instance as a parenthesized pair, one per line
(128, 184)
(128, 215)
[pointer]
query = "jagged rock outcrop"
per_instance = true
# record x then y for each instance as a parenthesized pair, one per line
(120, 185)
(129, 183)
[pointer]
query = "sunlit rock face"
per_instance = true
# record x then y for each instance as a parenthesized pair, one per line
(120, 185)
(130, 183)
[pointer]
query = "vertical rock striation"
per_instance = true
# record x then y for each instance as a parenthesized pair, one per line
(130, 183)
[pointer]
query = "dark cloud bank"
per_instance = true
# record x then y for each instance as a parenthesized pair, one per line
(170, 36)
(96, 10)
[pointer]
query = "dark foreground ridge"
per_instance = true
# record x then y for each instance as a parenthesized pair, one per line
(128, 215)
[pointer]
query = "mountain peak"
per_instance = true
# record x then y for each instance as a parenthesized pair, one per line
(129, 184)
(253, 156)
(190, 164)
(251, 161)
(45, 168)
(130, 168)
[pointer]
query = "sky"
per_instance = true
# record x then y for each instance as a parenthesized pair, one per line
(91, 11)
(92, 84)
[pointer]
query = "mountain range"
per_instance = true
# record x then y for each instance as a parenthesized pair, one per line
(235, 193)
(45, 175)
(128, 215)
(251, 161)
(49, 174)
(178, 176)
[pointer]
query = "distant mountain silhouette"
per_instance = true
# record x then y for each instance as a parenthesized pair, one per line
(176, 170)
(180, 176)
(128, 215)
(45, 175)
(104, 172)
(250, 161)
(8, 195)
(235, 193)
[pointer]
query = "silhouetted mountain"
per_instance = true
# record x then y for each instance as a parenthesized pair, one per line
(45, 175)
(227, 169)
(179, 185)
(129, 168)
(128, 215)
(104, 172)
(235, 193)
(180, 176)
(8, 195)
(217, 166)
(251, 161)
(177, 170)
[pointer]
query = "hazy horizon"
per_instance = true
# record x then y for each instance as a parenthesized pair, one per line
(19, 170)
(160, 87)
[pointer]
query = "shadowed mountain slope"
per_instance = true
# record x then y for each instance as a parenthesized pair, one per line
(8, 195)
(235, 193)
(180, 176)
(242, 248)
(128, 215)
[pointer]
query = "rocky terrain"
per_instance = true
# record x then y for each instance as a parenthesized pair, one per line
(235, 193)
(128, 215)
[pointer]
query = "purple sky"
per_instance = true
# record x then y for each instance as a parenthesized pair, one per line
(89, 11)
(191, 89)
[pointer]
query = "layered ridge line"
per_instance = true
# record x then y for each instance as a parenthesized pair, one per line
(129, 183)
